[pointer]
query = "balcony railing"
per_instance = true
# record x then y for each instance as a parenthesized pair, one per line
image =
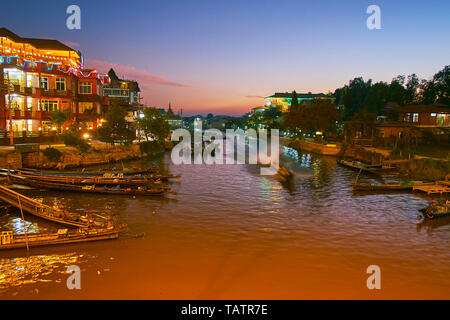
(25, 115)
(36, 92)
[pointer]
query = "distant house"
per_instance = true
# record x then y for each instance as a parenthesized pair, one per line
(283, 101)
(126, 92)
(260, 109)
(436, 115)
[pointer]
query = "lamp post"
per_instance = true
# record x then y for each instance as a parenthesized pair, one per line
(139, 116)
(11, 133)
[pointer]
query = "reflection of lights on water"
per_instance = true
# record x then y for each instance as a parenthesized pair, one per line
(18, 226)
(34, 269)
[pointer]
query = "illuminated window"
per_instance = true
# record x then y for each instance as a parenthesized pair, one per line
(407, 117)
(44, 83)
(415, 117)
(83, 106)
(85, 87)
(61, 84)
(49, 105)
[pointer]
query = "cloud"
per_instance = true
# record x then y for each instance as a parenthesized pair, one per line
(129, 72)
(253, 97)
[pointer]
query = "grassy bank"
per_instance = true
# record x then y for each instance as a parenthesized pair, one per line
(425, 169)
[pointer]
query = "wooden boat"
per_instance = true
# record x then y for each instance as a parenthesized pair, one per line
(46, 212)
(63, 236)
(100, 172)
(356, 165)
(91, 188)
(381, 187)
(75, 180)
(436, 210)
(106, 177)
(283, 174)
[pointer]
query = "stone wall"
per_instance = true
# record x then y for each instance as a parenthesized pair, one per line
(72, 158)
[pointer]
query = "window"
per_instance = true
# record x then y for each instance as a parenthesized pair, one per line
(49, 105)
(85, 87)
(61, 84)
(44, 83)
(83, 106)
(407, 117)
(415, 117)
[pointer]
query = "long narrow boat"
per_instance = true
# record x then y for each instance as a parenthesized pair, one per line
(356, 165)
(380, 187)
(63, 236)
(46, 212)
(144, 191)
(106, 178)
(436, 210)
(129, 181)
(100, 172)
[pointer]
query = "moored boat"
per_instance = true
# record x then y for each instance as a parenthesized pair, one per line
(143, 190)
(380, 187)
(100, 172)
(357, 165)
(64, 236)
(57, 215)
(437, 209)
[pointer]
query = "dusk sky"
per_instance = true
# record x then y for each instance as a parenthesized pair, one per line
(224, 57)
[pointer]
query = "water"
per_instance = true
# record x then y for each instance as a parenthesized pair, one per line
(231, 233)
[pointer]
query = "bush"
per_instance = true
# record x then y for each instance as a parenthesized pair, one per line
(71, 139)
(52, 154)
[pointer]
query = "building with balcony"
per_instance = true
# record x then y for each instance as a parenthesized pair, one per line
(283, 100)
(435, 117)
(125, 91)
(40, 76)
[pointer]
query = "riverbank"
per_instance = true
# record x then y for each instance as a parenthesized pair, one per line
(420, 168)
(60, 156)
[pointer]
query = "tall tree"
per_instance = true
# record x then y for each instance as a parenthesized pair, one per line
(116, 128)
(154, 125)
(59, 118)
(442, 84)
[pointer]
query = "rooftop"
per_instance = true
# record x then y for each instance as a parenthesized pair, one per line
(435, 108)
(299, 95)
(49, 44)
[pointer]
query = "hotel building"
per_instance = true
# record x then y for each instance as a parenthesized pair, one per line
(40, 76)
(283, 100)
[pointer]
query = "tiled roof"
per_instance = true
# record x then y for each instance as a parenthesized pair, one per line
(37, 43)
(435, 108)
(299, 95)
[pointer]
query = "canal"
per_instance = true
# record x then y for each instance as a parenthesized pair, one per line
(231, 233)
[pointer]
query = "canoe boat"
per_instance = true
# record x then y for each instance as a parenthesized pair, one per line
(356, 165)
(436, 210)
(63, 236)
(90, 188)
(57, 215)
(152, 176)
(380, 187)
(100, 172)
(75, 180)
